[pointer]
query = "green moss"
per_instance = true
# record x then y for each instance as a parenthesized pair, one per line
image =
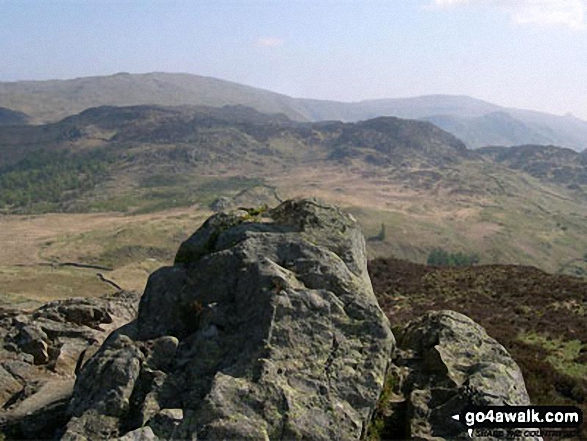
(378, 427)
(562, 354)
(254, 214)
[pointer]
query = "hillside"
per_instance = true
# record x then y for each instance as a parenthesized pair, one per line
(479, 123)
(204, 136)
(476, 122)
(50, 101)
(548, 163)
(415, 179)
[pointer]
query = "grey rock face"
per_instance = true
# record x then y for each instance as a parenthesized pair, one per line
(446, 361)
(266, 327)
(39, 355)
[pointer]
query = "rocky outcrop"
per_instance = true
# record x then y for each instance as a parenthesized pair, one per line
(39, 354)
(445, 362)
(266, 327)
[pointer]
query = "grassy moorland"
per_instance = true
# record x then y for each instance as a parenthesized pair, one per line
(38, 250)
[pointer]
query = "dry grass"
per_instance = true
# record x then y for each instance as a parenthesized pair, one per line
(28, 287)
(527, 223)
(27, 239)
(134, 246)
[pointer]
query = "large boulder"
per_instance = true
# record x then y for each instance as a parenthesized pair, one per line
(266, 327)
(445, 362)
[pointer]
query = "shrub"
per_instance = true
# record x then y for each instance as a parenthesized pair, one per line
(440, 257)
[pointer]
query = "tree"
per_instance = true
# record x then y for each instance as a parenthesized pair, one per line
(440, 257)
(381, 235)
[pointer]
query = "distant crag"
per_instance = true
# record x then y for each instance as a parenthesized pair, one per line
(545, 162)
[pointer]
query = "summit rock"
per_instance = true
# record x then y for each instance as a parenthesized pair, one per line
(266, 327)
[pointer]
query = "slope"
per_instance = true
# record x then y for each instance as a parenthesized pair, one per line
(11, 118)
(50, 101)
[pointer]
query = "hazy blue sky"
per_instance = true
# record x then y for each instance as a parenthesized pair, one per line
(521, 53)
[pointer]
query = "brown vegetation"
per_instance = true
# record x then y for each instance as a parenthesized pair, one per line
(536, 316)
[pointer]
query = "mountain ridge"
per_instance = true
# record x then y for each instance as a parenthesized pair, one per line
(52, 100)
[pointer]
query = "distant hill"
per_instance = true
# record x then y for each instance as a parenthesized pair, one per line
(68, 165)
(50, 101)
(478, 123)
(495, 128)
(234, 133)
(11, 117)
(237, 137)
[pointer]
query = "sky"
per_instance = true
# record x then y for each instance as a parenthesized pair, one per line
(528, 54)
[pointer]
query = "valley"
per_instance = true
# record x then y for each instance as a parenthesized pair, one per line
(335, 220)
(122, 187)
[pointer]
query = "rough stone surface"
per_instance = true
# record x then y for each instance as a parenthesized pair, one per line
(444, 362)
(39, 353)
(266, 327)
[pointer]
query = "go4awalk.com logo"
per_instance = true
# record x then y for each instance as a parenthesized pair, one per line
(511, 422)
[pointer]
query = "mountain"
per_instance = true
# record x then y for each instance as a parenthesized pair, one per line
(478, 123)
(50, 101)
(495, 128)
(219, 135)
